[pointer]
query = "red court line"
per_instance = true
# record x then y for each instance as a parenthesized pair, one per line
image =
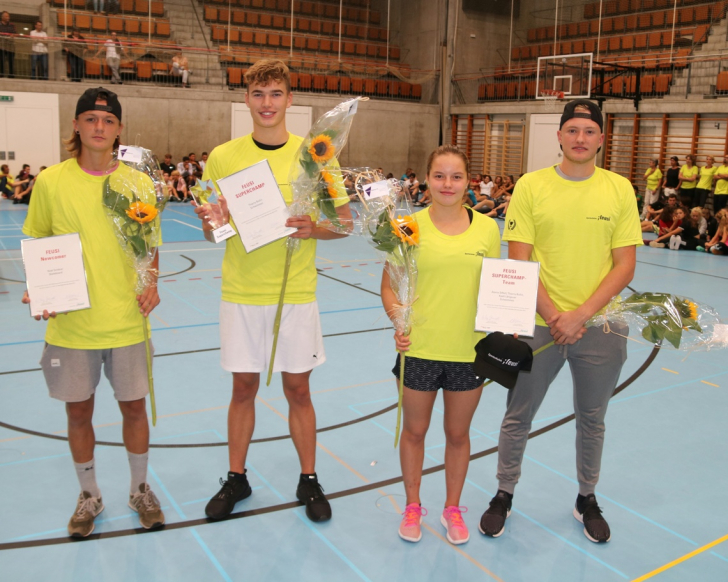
(196, 279)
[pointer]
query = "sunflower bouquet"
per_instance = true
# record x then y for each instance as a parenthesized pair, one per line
(318, 187)
(134, 195)
(663, 317)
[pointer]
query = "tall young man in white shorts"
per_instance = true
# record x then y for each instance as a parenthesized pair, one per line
(251, 284)
(581, 223)
(109, 335)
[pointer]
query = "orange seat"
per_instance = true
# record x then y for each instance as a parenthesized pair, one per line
(235, 77)
(65, 19)
(304, 81)
(131, 25)
(157, 8)
(83, 21)
(163, 28)
(144, 70)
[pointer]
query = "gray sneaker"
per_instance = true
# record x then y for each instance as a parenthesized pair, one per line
(146, 504)
(82, 520)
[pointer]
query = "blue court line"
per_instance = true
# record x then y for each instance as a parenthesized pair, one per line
(185, 326)
(22, 343)
(192, 305)
(35, 459)
(691, 381)
(13, 236)
(353, 406)
(211, 556)
(197, 537)
(609, 499)
(347, 310)
(313, 528)
(557, 535)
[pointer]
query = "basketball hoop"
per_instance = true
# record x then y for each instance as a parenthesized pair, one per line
(551, 98)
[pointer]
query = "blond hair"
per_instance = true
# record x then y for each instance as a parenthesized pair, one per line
(266, 70)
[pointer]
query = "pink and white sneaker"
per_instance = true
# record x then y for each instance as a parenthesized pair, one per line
(457, 531)
(409, 529)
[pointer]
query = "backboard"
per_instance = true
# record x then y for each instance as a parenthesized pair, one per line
(570, 74)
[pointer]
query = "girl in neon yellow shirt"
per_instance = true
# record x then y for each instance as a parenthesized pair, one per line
(441, 345)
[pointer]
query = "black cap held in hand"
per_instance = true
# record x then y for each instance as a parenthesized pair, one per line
(595, 114)
(500, 357)
(87, 102)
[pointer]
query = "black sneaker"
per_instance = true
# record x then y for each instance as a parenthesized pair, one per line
(311, 494)
(493, 521)
(587, 511)
(235, 489)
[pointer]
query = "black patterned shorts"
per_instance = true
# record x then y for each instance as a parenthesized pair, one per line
(431, 375)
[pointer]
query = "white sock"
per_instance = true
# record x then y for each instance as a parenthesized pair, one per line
(86, 473)
(138, 466)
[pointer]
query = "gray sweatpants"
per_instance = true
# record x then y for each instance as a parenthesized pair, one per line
(595, 361)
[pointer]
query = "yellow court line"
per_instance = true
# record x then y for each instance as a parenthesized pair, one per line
(671, 371)
(710, 384)
(682, 559)
(325, 260)
(19, 438)
(160, 319)
(336, 389)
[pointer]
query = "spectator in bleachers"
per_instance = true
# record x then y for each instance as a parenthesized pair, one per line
(113, 6)
(181, 168)
(653, 175)
(486, 185)
(22, 195)
(181, 68)
(98, 6)
(21, 182)
(718, 245)
(195, 165)
(696, 215)
(705, 182)
(114, 52)
(711, 224)
(39, 52)
(6, 182)
(74, 51)
(720, 195)
(671, 179)
(670, 225)
(180, 186)
(167, 165)
(689, 174)
(7, 44)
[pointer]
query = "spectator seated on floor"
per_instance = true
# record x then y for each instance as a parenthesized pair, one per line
(6, 182)
(718, 245)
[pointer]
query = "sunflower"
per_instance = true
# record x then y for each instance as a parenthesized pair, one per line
(141, 212)
(693, 309)
(321, 150)
(406, 229)
(330, 181)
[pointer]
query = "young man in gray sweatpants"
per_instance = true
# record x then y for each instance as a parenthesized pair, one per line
(581, 223)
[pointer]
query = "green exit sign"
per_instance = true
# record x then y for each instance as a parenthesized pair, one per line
(7, 98)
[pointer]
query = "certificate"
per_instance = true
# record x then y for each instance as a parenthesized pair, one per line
(55, 274)
(256, 205)
(507, 297)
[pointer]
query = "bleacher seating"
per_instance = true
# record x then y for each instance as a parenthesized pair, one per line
(644, 34)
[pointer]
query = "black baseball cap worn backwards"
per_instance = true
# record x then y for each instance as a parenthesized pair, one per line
(500, 357)
(594, 113)
(87, 102)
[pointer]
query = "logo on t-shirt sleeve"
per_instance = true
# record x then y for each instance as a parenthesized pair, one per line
(512, 224)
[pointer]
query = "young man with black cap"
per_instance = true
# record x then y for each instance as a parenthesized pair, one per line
(67, 199)
(581, 223)
(251, 286)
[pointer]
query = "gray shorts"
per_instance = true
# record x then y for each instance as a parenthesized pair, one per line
(72, 375)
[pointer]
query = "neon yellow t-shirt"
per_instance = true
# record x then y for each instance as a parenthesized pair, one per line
(66, 200)
(255, 278)
(686, 172)
(706, 177)
(721, 185)
(653, 179)
(573, 227)
(448, 277)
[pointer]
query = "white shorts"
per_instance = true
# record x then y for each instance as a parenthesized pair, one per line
(246, 338)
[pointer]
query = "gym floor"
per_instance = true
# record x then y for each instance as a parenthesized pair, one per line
(662, 486)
